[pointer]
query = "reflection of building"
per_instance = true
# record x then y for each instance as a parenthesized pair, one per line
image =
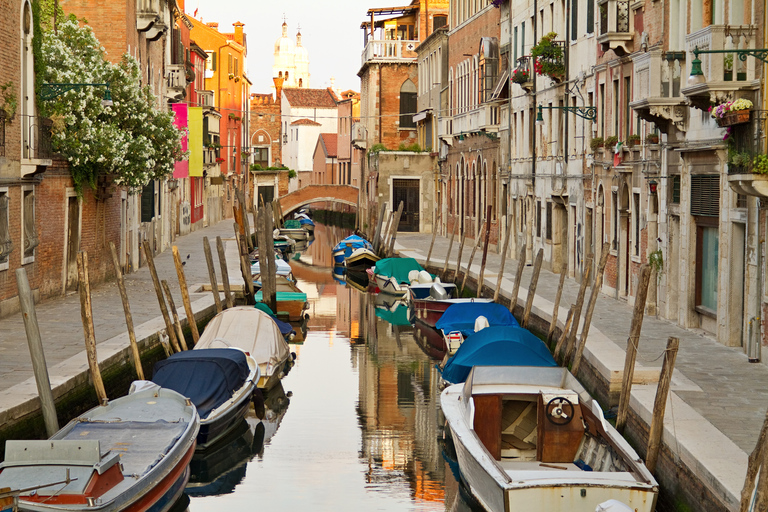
(398, 407)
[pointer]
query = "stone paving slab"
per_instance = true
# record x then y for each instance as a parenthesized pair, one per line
(718, 400)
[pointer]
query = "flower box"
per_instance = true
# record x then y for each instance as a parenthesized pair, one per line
(734, 117)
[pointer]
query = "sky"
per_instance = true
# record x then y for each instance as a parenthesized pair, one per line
(330, 31)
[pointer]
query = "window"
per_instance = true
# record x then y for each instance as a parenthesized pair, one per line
(574, 19)
(29, 233)
(705, 195)
(439, 21)
(615, 205)
(538, 219)
(549, 221)
(636, 219)
(261, 157)
(148, 202)
(627, 109)
(707, 248)
(515, 45)
(6, 245)
(408, 94)
(489, 67)
(674, 189)
(590, 16)
(230, 63)
(210, 62)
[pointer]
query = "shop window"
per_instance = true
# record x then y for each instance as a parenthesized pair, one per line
(707, 248)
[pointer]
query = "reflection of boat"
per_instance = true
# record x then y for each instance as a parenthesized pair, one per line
(358, 280)
(275, 406)
(219, 381)
(532, 439)
(131, 454)
(459, 320)
(391, 274)
(429, 340)
(496, 346)
(339, 274)
(396, 313)
(344, 249)
(253, 331)
(218, 470)
(361, 259)
(293, 229)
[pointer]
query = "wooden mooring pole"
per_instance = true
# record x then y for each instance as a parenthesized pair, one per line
(395, 225)
(224, 272)
(556, 307)
(660, 404)
(185, 295)
(127, 311)
(571, 340)
(756, 463)
(448, 254)
(434, 235)
(160, 300)
(481, 279)
(86, 312)
(632, 343)
(557, 352)
(174, 315)
(35, 342)
(478, 241)
(518, 278)
(377, 234)
(503, 263)
(590, 309)
(461, 251)
(532, 288)
(212, 273)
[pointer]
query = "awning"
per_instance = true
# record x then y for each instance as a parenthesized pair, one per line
(422, 115)
(503, 80)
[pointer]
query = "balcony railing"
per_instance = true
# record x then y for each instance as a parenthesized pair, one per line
(205, 98)
(658, 78)
(523, 74)
(175, 76)
(36, 138)
(209, 156)
(484, 117)
(615, 24)
(390, 50)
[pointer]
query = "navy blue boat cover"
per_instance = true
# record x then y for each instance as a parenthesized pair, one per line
(208, 376)
(285, 328)
(461, 317)
(497, 346)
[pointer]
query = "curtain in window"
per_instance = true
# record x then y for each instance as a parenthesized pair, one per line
(6, 245)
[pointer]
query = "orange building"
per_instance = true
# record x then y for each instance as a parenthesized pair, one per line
(224, 75)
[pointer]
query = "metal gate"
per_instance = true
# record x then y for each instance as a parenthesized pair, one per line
(407, 191)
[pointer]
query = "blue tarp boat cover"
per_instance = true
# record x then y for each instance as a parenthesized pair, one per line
(497, 346)
(285, 327)
(349, 244)
(208, 376)
(397, 268)
(461, 317)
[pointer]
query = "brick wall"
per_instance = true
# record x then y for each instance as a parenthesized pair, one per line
(265, 125)
(10, 52)
(392, 78)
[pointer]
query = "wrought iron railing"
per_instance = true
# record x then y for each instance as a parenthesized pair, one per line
(614, 16)
(36, 134)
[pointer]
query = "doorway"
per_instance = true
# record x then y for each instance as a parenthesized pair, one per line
(407, 191)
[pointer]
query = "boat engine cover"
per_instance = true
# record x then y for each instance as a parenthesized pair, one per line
(436, 291)
(413, 276)
(481, 323)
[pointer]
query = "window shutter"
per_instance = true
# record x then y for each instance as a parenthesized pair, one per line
(590, 16)
(148, 202)
(705, 195)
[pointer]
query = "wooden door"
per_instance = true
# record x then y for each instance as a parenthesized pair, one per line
(407, 191)
(487, 422)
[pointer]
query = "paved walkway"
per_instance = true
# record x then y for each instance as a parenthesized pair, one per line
(719, 399)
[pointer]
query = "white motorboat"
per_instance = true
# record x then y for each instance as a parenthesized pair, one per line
(531, 439)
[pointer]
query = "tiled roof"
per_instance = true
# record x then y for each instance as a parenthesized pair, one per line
(320, 98)
(330, 142)
(305, 122)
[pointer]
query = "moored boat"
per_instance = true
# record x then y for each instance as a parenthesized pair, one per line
(219, 382)
(132, 454)
(305, 222)
(460, 318)
(293, 229)
(429, 301)
(343, 250)
(253, 331)
(533, 440)
(392, 275)
(294, 303)
(496, 346)
(361, 259)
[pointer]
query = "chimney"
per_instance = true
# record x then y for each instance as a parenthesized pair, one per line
(213, 25)
(278, 88)
(238, 32)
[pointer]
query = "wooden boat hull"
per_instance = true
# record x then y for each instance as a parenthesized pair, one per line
(514, 482)
(386, 285)
(296, 234)
(361, 261)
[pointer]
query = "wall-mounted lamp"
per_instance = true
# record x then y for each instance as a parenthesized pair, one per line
(588, 113)
(697, 75)
(285, 138)
(652, 186)
(51, 91)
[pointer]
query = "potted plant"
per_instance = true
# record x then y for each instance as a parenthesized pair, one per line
(521, 76)
(731, 112)
(760, 164)
(652, 138)
(10, 102)
(728, 67)
(549, 57)
(611, 141)
(633, 140)
(596, 142)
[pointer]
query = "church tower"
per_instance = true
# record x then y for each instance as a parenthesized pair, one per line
(302, 63)
(291, 61)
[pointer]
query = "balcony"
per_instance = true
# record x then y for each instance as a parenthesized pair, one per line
(176, 80)
(485, 117)
(616, 31)
(390, 50)
(657, 77)
(150, 18)
(523, 74)
(743, 147)
(37, 147)
(210, 155)
(726, 77)
(205, 98)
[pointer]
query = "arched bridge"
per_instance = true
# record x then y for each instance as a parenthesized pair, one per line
(344, 194)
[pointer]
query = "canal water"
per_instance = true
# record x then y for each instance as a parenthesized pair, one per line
(356, 424)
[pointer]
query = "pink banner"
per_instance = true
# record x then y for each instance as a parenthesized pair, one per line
(181, 168)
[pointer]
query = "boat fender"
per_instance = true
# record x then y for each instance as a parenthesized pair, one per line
(413, 277)
(481, 323)
(613, 506)
(424, 277)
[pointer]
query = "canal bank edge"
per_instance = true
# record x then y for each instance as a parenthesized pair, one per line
(20, 405)
(699, 467)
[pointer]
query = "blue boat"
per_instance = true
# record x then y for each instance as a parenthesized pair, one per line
(497, 346)
(458, 320)
(344, 249)
(305, 222)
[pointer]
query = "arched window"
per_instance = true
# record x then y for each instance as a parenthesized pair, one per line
(408, 108)
(300, 82)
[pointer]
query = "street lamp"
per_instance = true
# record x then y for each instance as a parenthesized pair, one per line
(697, 75)
(51, 91)
(588, 113)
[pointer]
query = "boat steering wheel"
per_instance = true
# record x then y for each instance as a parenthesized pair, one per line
(559, 411)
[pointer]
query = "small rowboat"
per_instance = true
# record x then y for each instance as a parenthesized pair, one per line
(131, 455)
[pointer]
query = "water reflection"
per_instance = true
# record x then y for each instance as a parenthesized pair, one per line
(364, 427)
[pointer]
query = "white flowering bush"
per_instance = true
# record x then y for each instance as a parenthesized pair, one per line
(131, 139)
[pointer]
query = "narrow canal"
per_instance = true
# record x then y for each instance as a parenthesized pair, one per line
(356, 424)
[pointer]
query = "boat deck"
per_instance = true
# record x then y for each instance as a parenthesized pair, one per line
(529, 471)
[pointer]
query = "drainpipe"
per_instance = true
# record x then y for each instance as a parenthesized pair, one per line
(509, 113)
(567, 57)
